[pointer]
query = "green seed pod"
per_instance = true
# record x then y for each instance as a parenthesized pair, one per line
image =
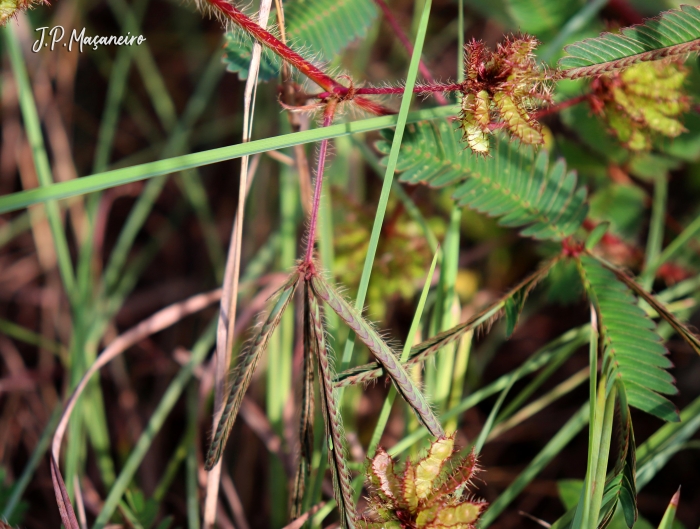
(642, 101)
(517, 120)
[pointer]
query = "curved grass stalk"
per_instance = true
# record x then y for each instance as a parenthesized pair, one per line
(331, 417)
(391, 364)
(243, 372)
(306, 422)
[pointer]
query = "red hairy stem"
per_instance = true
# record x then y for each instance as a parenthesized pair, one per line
(399, 32)
(328, 113)
(391, 90)
(278, 47)
(268, 40)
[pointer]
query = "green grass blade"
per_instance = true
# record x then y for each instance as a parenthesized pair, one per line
(41, 159)
(655, 238)
(117, 177)
(401, 121)
(565, 345)
(675, 246)
(670, 514)
(565, 434)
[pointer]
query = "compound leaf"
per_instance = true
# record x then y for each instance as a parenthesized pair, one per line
(672, 33)
(633, 350)
(515, 183)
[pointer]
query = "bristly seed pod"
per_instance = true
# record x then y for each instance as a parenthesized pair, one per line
(641, 101)
(427, 494)
(503, 86)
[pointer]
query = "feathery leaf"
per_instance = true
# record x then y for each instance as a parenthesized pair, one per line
(672, 33)
(306, 420)
(515, 184)
(633, 349)
(321, 28)
(678, 326)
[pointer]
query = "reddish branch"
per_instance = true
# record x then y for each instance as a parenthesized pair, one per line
(328, 113)
(396, 90)
(268, 40)
(285, 52)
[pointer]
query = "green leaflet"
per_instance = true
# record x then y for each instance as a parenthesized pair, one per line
(678, 326)
(328, 26)
(672, 33)
(320, 28)
(515, 183)
(633, 351)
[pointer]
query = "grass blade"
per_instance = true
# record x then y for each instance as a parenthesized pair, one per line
(670, 514)
(415, 324)
(117, 177)
(550, 451)
(41, 159)
(659, 307)
(65, 507)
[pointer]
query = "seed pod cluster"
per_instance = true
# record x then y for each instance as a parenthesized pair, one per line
(644, 100)
(503, 86)
(425, 494)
